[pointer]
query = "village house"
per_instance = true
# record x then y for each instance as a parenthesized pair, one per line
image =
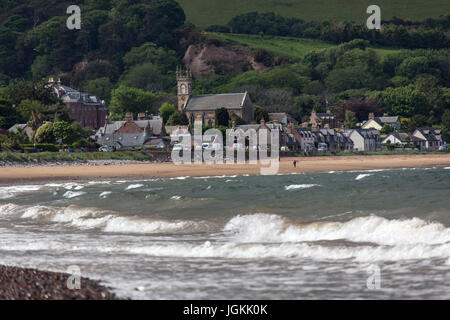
(283, 118)
(26, 129)
(84, 108)
(364, 139)
(427, 138)
(377, 123)
(243, 131)
(304, 138)
(321, 120)
(132, 133)
(201, 108)
(400, 138)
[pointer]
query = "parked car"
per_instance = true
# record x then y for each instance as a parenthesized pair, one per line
(322, 147)
(444, 147)
(106, 149)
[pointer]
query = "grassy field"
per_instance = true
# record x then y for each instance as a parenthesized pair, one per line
(205, 13)
(283, 46)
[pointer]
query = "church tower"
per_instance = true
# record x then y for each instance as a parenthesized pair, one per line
(184, 81)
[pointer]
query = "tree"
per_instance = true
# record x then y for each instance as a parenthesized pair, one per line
(261, 113)
(222, 117)
(68, 132)
(386, 128)
(126, 99)
(238, 120)
(44, 134)
(415, 122)
(166, 110)
(101, 87)
(178, 118)
(350, 120)
(8, 115)
(26, 107)
(446, 124)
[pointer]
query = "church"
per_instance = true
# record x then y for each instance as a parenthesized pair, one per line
(201, 108)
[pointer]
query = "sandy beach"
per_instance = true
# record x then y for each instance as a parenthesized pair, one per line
(17, 175)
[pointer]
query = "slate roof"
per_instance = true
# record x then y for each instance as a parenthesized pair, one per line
(71, 95)
(209, 102)
(430, 134)
(112, 127)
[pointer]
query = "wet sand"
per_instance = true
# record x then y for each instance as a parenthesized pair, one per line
(17, 175)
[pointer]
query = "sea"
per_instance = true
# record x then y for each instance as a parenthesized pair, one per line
(376, 234)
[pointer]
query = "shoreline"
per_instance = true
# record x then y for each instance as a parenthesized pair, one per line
(18, 283)
(36, 174)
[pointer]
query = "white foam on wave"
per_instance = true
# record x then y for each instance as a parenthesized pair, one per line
(362, 176)
(9, 209)
(104, 194)
(175, 198)
(300, 186)
(73, 194)
(89, 218)
(10, 192)
(374, 229)
(134, 186)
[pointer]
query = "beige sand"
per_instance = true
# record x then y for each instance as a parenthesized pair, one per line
(15, 175)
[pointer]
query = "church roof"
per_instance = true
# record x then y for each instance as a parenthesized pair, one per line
(209, 102)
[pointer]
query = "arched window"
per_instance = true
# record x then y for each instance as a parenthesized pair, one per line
(183, 89)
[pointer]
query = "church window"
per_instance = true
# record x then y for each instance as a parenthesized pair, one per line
(183, 89)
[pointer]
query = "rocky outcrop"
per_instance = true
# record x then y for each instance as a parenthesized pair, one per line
(211, 59)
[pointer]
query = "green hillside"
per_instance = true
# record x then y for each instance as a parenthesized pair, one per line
(283, 46)
(204, 13)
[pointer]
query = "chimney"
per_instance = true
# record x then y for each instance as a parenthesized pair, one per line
(385, 115)
(129, 117)
(106, 119)
(51, 81)
(371, 115)
(59, 81)
(233, 124)
(326, 126)
(141, 116)
(263, 122)
(329, 111)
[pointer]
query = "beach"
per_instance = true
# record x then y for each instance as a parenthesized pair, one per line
(31, 284)
(80, 172)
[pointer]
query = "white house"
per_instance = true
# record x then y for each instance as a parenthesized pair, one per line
(364, 139)
(396, 138)
(377, 123)
(427, 138)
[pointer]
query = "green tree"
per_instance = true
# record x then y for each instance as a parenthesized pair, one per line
(261, 113)
(44, 134)
(222, 117)
(26, 107)
(386, 129)
(101, 87)
(415, 122)
(446, 124)
(350, 120)
(126, 99)
(166, 110)
(178, 118)
(68, 132)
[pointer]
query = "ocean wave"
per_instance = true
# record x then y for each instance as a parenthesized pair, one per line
(373, 229)
(73, 194)
(300, 186)
(231, 250)
(107, 221)
(134, 186)
(362, 176)
(10, 192)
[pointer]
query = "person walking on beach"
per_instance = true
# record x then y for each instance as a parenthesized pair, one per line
(295, 163)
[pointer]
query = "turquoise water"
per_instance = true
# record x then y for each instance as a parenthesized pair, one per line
(297, 236)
